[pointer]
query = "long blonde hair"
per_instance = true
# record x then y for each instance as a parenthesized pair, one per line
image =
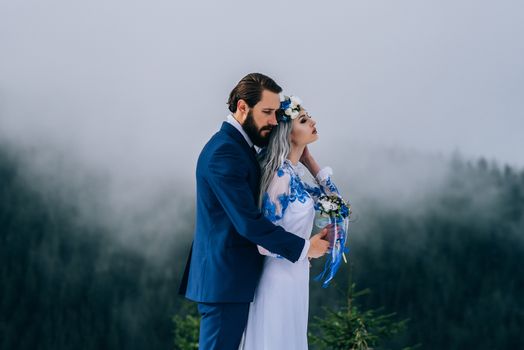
(277, 151)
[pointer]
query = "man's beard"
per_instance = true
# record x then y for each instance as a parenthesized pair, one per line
(254, 134)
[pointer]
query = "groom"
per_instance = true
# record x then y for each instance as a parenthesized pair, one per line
(224, 265)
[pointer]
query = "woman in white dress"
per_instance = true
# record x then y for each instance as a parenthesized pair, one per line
(278, 315)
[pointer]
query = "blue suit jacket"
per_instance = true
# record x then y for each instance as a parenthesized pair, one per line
(224, 264)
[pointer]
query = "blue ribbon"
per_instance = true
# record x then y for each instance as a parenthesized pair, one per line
(335, 257)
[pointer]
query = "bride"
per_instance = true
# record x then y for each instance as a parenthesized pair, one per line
(278, 315)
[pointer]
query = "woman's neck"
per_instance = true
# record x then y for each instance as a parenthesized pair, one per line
(295, 153)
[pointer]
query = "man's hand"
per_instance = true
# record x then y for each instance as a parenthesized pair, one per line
(318, 245)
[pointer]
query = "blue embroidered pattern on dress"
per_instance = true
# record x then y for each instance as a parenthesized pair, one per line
(270, 209)
(314, 192)
(298, 190)
(331, 186)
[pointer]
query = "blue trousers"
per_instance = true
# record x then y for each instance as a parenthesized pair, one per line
(222, 325)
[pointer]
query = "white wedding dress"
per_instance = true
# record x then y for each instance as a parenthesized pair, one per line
(278, 315)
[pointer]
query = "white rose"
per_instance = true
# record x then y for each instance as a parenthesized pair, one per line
(328, 206)
(295, 100)
(294, 115)
(289, 111)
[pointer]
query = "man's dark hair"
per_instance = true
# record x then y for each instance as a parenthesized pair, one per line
(250, 90)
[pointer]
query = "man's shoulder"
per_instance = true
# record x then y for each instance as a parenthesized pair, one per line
(220, 142)
(222, 149)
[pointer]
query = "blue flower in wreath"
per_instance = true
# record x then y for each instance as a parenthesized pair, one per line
(289, 109)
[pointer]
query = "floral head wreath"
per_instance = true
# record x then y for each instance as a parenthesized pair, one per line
(289, 108)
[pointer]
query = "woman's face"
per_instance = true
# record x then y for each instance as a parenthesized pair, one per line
(303, 131)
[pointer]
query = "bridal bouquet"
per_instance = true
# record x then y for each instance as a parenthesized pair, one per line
(334, 214)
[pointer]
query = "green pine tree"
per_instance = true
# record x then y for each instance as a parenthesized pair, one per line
(186, 328)
(350, 328)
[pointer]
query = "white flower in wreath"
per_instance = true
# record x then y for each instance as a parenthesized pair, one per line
(295, 101)
(290, 107)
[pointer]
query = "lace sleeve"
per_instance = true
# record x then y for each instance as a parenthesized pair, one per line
(275, 203)
(324, 185)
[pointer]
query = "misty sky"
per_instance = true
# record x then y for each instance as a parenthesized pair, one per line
(139, 86)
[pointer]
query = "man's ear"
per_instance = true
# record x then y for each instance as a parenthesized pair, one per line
(243, 109)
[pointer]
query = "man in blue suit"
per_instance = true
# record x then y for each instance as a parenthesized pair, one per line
(224, 265)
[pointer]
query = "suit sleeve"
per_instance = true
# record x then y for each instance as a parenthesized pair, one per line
(228, 178)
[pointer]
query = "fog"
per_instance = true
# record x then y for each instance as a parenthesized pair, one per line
(129, 92)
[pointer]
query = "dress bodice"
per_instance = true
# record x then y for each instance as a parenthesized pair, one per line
(290, 201)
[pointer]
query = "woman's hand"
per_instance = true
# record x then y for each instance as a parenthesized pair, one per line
(309, 162)
(306, 156)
